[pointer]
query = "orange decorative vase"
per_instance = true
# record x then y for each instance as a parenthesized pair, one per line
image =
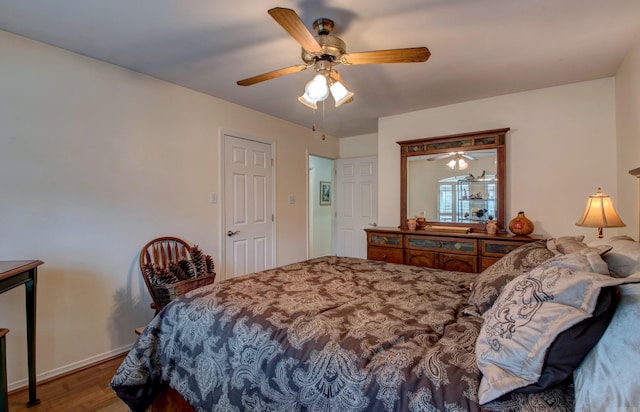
(520, 225)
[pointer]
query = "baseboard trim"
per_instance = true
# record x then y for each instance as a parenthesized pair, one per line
(71, 368)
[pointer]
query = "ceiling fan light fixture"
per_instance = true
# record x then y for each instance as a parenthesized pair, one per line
(458, 163)
(317, 89)
(340, 94)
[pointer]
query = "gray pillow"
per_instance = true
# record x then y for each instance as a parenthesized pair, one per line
(564, 245)
(487, 286)
(623, 258)
(530, 314)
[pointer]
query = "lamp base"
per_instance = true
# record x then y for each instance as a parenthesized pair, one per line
(599, 234)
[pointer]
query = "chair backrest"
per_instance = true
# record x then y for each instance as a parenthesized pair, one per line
(161, 252)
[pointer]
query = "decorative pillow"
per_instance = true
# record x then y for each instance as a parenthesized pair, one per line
(529, 315)
(564, 245)
(571, 346)
(607, 379)
(489, 283)
(623, 258)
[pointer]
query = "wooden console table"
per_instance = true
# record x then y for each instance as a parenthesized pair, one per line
(25, 272)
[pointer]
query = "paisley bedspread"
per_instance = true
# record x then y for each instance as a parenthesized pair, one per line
(328, 334)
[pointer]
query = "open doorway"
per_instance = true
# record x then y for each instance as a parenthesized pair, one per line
(321, 206)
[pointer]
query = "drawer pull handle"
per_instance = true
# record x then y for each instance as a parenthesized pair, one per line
(384, 257)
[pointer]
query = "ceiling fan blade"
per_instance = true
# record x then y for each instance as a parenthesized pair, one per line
(409, 55)
(292, 23)
(336, 76)
(442, 156)
(271, 75)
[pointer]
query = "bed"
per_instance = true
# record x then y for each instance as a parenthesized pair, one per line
(552, 326)
(328, 334)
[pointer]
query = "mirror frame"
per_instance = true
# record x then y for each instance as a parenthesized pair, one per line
(482, 140)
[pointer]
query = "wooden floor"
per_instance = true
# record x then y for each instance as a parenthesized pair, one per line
(84, 391)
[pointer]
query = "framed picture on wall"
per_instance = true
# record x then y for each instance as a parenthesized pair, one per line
(325, 193)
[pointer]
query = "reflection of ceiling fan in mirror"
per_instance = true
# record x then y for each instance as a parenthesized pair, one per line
(458, 162)
(325, 51)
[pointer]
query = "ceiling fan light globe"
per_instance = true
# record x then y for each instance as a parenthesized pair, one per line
(317, 88)
(452, 164)
(307, 101)
(462, 164)
(340, 94)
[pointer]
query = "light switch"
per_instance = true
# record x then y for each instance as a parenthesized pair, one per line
(213, 197)
(292, 200)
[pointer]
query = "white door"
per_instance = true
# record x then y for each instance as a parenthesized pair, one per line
(248, 206)
(357, 204)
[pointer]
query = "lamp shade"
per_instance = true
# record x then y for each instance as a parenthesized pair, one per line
(600, 213)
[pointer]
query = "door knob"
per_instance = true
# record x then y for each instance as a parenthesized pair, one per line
(374, 224)
(230, 233)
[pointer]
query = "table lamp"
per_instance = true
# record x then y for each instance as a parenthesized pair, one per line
(600, 213)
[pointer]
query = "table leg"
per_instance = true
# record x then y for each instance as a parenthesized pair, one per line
(31, 336)
(4, 398)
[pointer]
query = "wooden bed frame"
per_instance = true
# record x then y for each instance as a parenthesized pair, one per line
(170, 400)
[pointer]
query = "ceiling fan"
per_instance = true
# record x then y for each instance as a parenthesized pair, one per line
(325, 51)
(458, 162)
(456, 155)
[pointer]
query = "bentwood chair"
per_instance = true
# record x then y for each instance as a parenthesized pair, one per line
(161, 252)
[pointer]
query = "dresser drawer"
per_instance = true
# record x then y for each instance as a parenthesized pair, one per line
(442, 244)
(421, 258)
(458, 263)
(384, 239)
(498, 248)
(485, 262)
(384, 254)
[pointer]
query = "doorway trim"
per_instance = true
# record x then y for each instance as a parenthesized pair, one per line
(221, 201)
(309, 205)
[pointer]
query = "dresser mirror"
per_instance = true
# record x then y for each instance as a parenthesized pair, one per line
(456, 180)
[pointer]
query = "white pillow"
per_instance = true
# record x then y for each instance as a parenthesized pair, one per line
(608, 379)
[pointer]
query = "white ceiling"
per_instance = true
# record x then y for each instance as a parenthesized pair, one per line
(480, 48)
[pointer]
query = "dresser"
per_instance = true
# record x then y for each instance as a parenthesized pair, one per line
(462, 252)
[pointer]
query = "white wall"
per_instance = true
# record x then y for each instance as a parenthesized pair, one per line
(561, 147)
(628, 138)
(359, 146)
(96, 160)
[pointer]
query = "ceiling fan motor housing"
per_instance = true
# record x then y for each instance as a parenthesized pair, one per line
(332, 47)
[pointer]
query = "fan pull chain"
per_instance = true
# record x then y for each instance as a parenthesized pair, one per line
(324, 136)
(313, 123)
